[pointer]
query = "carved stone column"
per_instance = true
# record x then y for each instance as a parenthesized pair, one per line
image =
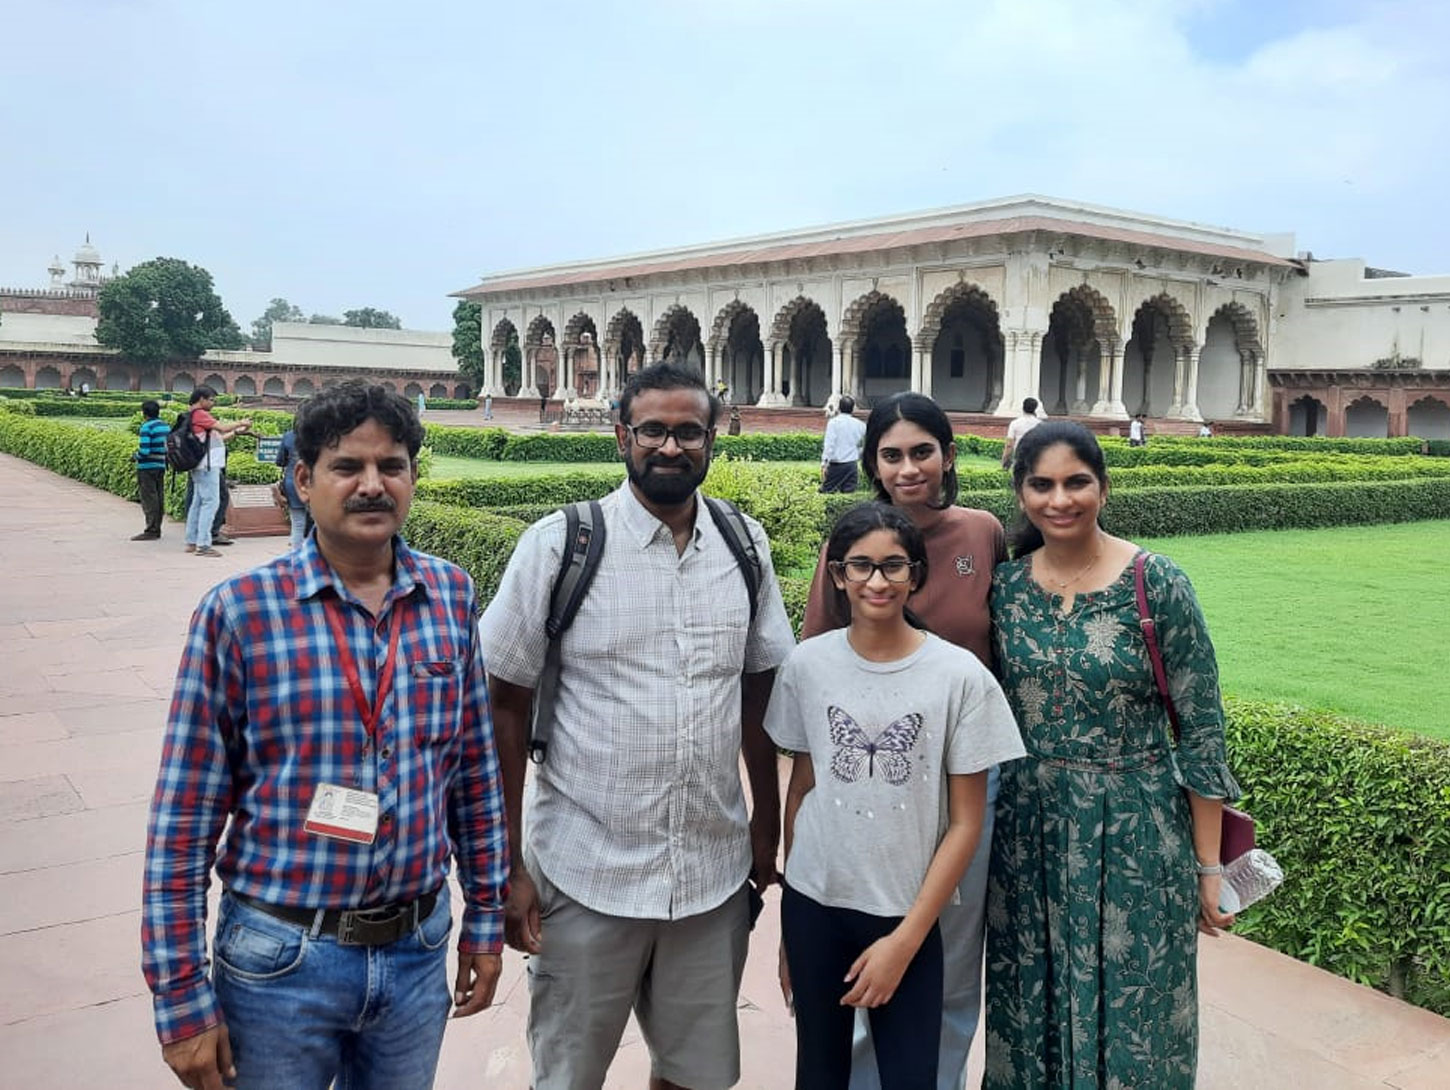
(1190, 393)
(1246, 384)
(921, 370)
(1081, 406)
(1110, 383)
(1180, 380)
(838, 367)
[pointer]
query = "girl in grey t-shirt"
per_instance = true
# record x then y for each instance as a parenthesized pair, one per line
(893, 731)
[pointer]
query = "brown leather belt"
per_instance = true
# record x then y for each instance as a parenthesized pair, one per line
(357, 926)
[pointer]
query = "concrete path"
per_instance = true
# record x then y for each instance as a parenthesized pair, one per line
(91, 627)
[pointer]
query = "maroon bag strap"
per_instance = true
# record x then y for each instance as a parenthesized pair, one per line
(1150, 637)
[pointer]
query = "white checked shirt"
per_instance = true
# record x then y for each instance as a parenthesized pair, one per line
(843, 439)
(639, 810)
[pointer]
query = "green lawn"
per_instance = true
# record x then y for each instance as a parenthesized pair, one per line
(1354, 620)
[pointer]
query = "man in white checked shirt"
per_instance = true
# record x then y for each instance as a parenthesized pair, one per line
(629, 877)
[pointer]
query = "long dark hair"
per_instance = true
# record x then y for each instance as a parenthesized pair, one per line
(851, 526)
(926, 414)
(1027, 538)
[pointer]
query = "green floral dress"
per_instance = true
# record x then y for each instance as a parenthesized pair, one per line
(1092, 900)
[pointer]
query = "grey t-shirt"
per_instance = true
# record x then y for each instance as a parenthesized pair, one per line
(883, 737)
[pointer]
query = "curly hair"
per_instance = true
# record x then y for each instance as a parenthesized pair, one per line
(323, 419)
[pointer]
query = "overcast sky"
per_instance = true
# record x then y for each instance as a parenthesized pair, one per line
(385, 154)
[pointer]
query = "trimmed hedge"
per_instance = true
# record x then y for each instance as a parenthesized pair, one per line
(19, 408)
(1359, 817)
(480, 542)
(553, 490)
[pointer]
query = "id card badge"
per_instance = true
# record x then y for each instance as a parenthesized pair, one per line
(343, 813)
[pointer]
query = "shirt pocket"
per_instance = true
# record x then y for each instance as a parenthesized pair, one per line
(436, 698)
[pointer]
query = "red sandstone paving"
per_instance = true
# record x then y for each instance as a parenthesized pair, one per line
(91, 626)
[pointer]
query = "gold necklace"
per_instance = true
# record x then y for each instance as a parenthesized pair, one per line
(1062, 584)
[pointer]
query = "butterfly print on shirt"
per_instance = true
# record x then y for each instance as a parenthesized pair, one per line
(855, 752)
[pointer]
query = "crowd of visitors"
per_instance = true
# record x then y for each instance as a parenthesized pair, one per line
(984, 784)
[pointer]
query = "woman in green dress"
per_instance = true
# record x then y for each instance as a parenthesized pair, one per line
(1105, 859)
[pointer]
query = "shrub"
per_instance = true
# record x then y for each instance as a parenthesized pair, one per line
(480, 542)
(100, 458)
(1359, 817)
(19, 408)
(782, 499)
(785, 447)
(578, 447)
(82, 406)
(553, 490)
(487, 443)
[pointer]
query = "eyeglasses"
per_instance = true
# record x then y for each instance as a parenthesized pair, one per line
(860, 570)
(652, 435)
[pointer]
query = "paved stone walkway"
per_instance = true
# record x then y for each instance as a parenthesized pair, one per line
(91, 626)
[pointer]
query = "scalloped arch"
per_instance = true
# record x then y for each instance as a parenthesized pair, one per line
(1180, 324)
(1102, 319)
(964, 292)
(1367, 399)
(537, 328)
(1245, 327)
(859, 314)
(661, 337)
(785, 318)
(501, 333)
(725, 321)
(579, 324)
(622, 317)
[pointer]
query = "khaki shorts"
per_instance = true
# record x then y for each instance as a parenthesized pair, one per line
(681, 978)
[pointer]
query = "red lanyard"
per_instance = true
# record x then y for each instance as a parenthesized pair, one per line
(370, 714)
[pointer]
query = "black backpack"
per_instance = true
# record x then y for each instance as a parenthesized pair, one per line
(584, 547)
(184, 451)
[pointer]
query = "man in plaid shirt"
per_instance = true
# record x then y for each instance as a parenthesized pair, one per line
(331, 717)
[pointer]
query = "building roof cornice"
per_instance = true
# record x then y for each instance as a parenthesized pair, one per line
(1007, 216)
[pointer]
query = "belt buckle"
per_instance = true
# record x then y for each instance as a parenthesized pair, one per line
(356, 928)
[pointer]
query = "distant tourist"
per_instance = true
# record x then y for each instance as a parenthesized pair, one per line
(734, 426)
(841, 448)
(1137, 431)
(488, 405)
(1105, 858)
(151, 468)
(85, 389)
(1020, 427)
(333, 792)
(1205, 430)
(296, 507)
(206, 478)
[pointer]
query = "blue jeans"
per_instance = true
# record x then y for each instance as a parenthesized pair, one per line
(963, 935)
(298, 518)
(205, 496)
(303, 1011)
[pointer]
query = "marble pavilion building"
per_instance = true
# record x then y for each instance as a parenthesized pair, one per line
(1096, 312)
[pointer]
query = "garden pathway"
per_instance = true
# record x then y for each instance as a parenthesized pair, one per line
(91, 625)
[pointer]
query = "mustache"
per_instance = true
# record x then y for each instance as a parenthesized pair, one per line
(679, 462)
(369, 503)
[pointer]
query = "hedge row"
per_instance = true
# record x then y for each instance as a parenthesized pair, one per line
(1334, 467)
(480, 542)
(1359, 817)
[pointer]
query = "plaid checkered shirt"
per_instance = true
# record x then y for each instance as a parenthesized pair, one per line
(262, 713)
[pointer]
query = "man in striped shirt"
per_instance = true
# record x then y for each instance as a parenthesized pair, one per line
(331, 716)
(151, 468)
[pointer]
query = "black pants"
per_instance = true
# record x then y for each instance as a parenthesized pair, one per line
(840, 477)
(150, 483)
(221, 508)
(820, 944)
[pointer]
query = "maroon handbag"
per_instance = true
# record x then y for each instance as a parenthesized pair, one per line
(1237, 835)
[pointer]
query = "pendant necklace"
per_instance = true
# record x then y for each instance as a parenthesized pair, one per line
(1063, 584)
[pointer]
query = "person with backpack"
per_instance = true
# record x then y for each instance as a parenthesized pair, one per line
(206, 472)
(632, 877)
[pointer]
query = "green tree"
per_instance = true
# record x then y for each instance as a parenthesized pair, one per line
(513, 365)
(324, 319)
(468, 341)
(368, 318)
(278, 310)
(164, 309)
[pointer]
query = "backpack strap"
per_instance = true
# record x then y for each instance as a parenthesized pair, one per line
(731, 524)
(1150, 637)
(584, 537)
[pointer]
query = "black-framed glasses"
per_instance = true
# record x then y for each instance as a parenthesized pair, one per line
(652, 435)
(860, 570)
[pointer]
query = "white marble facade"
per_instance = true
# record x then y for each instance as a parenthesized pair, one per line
(1094, 312)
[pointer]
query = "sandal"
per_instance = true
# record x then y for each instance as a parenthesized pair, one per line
(207, 551)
